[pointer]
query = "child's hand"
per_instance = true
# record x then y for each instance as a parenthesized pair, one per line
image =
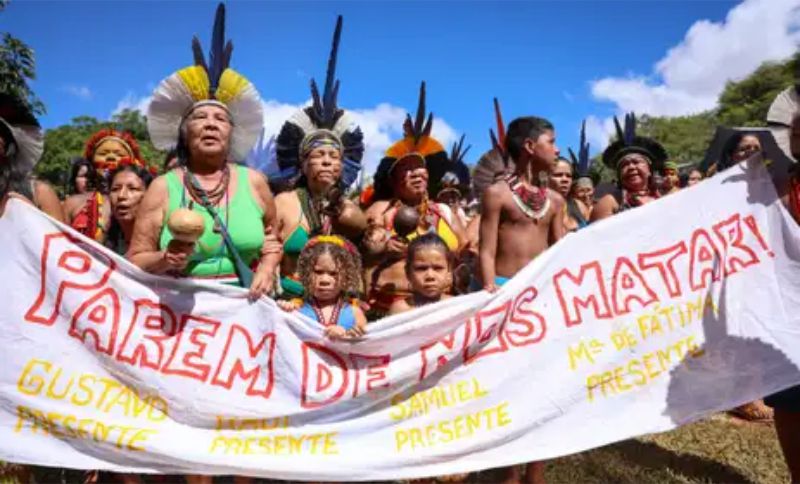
(335, 332)
(288, 306)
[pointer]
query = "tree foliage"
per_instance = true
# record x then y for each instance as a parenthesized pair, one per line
(742, 103)
(66, 142)
(17, 68)
(745, 103)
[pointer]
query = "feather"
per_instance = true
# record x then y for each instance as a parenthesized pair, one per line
(572, 157)
(226, 58)
(420, 112)
(331, 83)
(456, 153)
(501, 126)
(316, 103)
(618, 129)
(426, 131)
(630, 128)
(408, 126)
(216, 55)
(584, 162)
(197, 50)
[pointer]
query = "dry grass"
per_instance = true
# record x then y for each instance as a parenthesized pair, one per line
(716, 450)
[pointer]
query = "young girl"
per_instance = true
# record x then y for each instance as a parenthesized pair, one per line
(429, 271)
(330, 270)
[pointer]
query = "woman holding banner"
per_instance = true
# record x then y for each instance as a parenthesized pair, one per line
(783, 119)
(208, 219)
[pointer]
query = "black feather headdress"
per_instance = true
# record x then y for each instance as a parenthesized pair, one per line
(323, 114)
(628, 142)
(581, 163)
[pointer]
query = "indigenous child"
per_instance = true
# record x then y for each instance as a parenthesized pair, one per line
(330, 270)
(429, 271)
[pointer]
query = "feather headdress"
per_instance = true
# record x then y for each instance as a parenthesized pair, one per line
(24, 139)
(782, 112)
(417, 147)
(457, 175)
(628, 142)
(496, 161)
(581, 163)
(126, 139)
(207, 82)
(323, 115)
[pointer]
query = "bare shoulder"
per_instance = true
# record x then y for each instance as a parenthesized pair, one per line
(74, 203)
(284, 198)
(555, 198)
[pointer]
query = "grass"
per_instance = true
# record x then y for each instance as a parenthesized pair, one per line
(719, 449)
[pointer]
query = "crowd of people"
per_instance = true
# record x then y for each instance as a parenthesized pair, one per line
(425, 230)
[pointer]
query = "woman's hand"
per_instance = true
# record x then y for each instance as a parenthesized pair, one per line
(289, 306)
(263, 280)
(176, 257)
(335, 332)
(397, 247)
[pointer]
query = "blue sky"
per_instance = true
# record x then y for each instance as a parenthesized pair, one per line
(563, 60)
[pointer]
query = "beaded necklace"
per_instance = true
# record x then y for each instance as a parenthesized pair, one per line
(321, 317)
(533, 201)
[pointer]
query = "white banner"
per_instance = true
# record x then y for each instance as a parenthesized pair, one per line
(638, 324)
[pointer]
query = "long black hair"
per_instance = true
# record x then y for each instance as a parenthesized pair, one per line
(730, 146)
(91, 175)
(115, 238)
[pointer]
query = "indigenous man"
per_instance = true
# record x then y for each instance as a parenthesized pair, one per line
(518, 215)
(635, 159)
(521, 217)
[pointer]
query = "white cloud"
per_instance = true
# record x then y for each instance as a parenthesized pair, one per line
(381, 126)
(598, 132)
(80, 92)
(692, 74)
(133, 102)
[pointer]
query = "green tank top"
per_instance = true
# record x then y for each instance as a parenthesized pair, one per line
(243, 217)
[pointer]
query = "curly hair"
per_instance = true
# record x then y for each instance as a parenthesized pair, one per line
(348, 266)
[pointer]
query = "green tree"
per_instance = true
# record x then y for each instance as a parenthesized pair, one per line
(685, 138)
(746, 102)
(64, 143)
(17, 68)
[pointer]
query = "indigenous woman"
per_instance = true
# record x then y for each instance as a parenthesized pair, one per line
(453, 189)
(580, 199)
(126, 188)
(213, 115)
(635, 159)
(319, 151)
(783, 119)
(404, 181)
(81, 177)
(695, 177)
(739, 147)
(21, 146)
(90, 212)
